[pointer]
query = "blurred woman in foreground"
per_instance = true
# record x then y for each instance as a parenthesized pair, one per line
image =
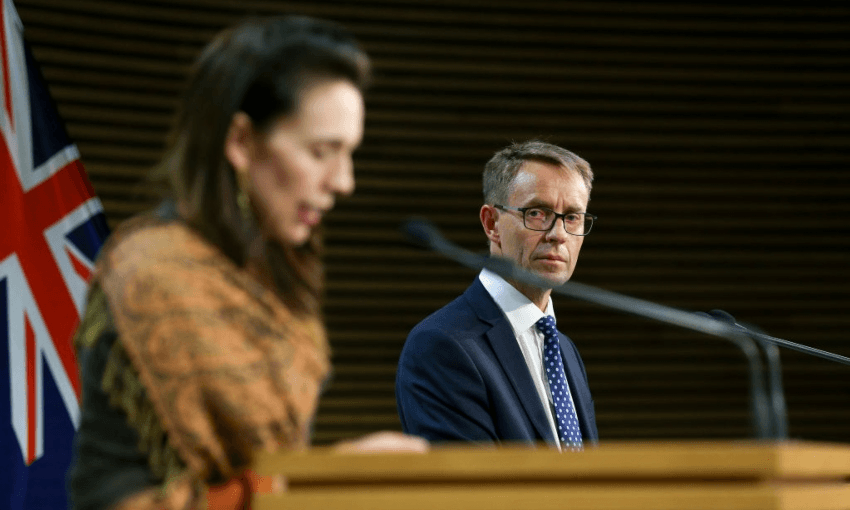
(202, 343)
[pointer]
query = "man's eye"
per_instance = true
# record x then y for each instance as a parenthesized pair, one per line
(535, 213)
(573, 218)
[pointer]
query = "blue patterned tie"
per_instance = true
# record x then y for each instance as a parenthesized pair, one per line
(565, 413)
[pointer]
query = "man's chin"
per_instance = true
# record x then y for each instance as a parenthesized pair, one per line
(557, 277)
(557, 280)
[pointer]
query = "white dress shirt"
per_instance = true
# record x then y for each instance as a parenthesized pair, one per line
(522, 315)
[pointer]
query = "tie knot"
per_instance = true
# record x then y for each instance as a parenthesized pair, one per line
(546, 325)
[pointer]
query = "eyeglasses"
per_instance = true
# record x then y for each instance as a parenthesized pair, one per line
(543, 219)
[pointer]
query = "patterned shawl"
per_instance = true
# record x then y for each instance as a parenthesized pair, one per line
(209, 365)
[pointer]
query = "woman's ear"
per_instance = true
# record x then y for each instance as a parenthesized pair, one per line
(488, 216)
(239, 148)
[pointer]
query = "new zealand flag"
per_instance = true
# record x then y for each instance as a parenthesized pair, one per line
(51, 228)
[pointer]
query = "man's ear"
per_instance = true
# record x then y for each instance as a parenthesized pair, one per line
(489, 216)
(239, 146)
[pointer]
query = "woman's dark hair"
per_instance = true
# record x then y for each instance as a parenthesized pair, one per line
(259, 67)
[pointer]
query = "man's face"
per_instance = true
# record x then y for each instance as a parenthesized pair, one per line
(552, 254)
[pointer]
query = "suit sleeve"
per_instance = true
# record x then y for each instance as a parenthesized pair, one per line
(440, 393)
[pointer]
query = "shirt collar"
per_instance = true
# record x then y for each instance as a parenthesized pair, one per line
(520, 311)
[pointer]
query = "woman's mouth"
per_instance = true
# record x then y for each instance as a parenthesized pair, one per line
(310, 216)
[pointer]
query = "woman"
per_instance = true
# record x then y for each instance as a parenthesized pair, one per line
(202, 342)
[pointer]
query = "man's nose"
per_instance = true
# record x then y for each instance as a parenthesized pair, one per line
(558, 232)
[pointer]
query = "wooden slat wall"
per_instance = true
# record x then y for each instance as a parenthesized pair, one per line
(719, 136)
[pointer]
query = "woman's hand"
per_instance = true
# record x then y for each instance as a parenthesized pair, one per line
(385, 441)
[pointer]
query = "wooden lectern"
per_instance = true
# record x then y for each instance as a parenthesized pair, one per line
(727, 475)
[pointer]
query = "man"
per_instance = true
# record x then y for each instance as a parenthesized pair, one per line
(487, 367)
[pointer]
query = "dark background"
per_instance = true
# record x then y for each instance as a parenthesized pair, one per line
(718, 134)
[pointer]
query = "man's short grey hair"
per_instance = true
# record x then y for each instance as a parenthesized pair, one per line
(500, 171)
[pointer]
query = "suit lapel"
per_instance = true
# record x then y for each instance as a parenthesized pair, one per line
(504, 344)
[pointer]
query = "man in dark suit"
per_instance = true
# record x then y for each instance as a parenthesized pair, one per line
(490, 367)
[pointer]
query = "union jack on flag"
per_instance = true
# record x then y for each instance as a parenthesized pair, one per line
(51, 228)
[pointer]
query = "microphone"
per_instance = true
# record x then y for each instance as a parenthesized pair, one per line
(423, 233)
(779, 413)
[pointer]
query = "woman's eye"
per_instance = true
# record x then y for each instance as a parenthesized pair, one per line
(321, 153)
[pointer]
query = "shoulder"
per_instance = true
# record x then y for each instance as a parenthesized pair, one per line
(153, 272)
(147, 240)
(443, 342)
(453, 332)
(147, 253)
(451, 320)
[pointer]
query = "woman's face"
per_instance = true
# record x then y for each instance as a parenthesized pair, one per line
(294, 171)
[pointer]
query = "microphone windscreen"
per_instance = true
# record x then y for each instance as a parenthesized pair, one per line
(420, 232)
(722, 316)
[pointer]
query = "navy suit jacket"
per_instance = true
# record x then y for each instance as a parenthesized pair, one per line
(462, 377)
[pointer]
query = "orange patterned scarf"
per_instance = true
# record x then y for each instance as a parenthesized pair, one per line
(225, 369)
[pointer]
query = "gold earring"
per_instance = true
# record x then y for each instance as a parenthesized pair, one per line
(242, 199)
(244, 204)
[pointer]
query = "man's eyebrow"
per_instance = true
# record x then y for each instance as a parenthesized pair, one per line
(540, 203)
(536, 202)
